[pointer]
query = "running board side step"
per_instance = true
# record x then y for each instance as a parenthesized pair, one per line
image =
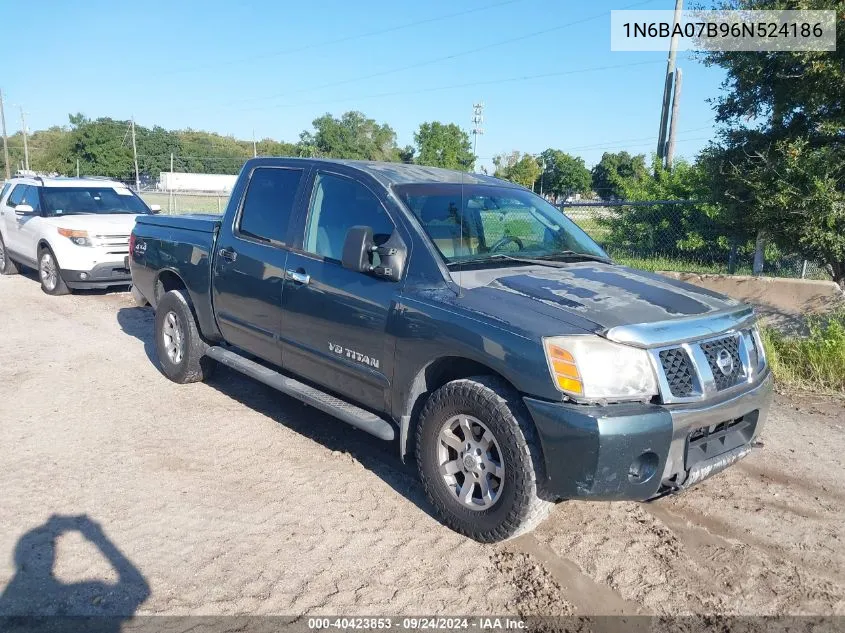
(349, 413)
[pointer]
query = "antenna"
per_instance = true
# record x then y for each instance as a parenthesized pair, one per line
(477, 120)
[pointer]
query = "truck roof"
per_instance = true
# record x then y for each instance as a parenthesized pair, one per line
(402, 173)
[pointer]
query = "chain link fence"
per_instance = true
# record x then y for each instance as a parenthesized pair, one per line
(684, 236)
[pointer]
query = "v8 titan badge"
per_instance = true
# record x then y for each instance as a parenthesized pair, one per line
(340, 350)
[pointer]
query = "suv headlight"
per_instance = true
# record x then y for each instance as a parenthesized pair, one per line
(590, 368)
(80, 238)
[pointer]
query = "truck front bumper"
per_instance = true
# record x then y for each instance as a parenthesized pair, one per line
(100, 276)
(639, 451)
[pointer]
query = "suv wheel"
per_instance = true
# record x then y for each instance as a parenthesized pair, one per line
(50, 274)
(181, 350)
(7, 266)
(479, 460)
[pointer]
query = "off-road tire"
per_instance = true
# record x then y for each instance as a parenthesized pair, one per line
(61, 287)
(7, 266)
(192, 365)
(523, 503)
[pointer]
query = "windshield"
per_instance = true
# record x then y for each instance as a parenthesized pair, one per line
(76, 200)
(482, 222)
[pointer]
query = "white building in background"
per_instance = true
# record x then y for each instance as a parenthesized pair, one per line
(179, 181)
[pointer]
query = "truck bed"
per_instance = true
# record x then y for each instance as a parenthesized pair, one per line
(202, 222)
(169, 247)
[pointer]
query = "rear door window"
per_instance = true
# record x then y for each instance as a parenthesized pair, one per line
(268, 204)
(16, 197)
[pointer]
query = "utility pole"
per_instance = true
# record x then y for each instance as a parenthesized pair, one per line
(135, 158)
(477, 120)
(667, 87)
(170, 186)
(25, 146)
(673, 124)
(254, 147)
(5, 139)
(77, 168)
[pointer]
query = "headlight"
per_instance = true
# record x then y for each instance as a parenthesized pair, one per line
(590, 368)
(80, 238)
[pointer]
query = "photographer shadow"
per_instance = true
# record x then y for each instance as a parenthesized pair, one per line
(35, 599)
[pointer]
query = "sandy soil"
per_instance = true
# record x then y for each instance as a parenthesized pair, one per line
(227, 497)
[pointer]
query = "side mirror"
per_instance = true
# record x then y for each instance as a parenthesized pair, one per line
(24, 209)
(155, 208)
(358, 249)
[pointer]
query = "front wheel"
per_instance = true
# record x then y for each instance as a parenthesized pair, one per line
(181, 350)
(479, 460)
(50, 274)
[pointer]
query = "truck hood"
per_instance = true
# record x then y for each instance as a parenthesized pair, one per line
(592, 296)
(96, 224)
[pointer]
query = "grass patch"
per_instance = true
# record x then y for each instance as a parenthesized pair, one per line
(816, 361)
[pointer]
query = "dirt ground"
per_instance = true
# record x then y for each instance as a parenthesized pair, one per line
(123, 492)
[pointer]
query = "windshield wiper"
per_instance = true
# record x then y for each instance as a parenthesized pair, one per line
(573, 255)
(500, 256)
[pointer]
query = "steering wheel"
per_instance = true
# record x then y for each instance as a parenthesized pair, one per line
(507, 239)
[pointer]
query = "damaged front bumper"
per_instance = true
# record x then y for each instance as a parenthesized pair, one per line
(638, 451)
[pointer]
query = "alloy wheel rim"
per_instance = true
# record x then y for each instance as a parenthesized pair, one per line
(470, 462)
(47, 270)
(2, 255)
(173, 337)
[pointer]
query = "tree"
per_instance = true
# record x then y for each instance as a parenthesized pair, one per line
(694, 229)
(101, 147)
(617, 171)
(351, 136)
(564, 174)
(443, 145)
(780, 160)
(522, 169)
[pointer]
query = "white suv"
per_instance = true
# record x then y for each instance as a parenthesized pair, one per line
(74, 231)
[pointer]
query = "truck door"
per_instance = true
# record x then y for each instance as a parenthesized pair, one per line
(335, 320)
(249, 262)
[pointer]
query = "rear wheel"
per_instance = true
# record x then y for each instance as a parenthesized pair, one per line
(181, 350)
(479, 460)
(7, 266)
(50, 274)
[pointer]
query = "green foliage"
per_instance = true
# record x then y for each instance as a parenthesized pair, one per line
(564, 174)
(353, 135)
(692, 231)
(617, 172)
(522, 169)
(780, 163)
(816, 361)
(443, 145)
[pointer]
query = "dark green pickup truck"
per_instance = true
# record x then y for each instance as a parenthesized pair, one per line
(469, 321)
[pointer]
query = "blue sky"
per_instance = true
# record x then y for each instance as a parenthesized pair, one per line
(273, 67)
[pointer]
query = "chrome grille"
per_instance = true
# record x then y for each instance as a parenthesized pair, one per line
(699, 369)
(116, 244)
(678, 372)
(726, 374)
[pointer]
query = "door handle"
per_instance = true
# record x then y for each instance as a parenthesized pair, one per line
(299, 277)
(228, 254)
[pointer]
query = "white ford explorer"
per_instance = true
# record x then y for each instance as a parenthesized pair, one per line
(73, 231)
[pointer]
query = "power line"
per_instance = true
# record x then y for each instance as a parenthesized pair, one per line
(435, 60)
(341, 40)
(469, 84)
